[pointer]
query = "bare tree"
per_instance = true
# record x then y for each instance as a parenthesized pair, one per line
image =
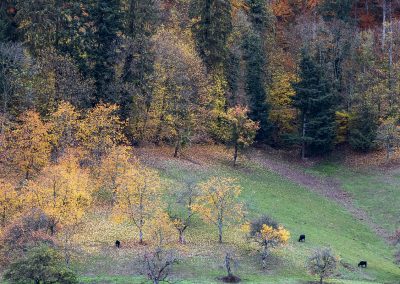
(322, 263)
(157, 265)
(181, 210)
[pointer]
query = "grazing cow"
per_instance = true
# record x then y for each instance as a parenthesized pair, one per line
(117, 244)
(362, 263)
(302, 238)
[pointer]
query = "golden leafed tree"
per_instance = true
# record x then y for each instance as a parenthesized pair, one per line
(138, 197)
(64, 128)
(62, 192)
(218, 202)
(31, 144)
(10, 202)
(110, 174)
(101, 130)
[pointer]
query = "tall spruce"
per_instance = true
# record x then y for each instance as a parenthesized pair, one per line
(106, 17)
(315, 101)
(364, 128)
(8, 27)
(212, 27)
(255, 83)
(259, 15)
(142, 20)
(255, 58)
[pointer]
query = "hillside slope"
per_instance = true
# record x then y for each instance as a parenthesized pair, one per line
(324, 220)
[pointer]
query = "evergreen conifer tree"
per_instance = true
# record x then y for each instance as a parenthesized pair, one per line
(107, 20)
(255, 83)
(142, 19)
(213, 25)
(315, 101)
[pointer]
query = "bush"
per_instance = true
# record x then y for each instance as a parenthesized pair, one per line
(322, 263)
(257, 224)
(42, 264)
(28, 231)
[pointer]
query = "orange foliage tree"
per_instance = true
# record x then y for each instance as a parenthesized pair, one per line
(64, 128)
(10, 202)
(30, 147)
(109, 175)
(101, 130)
(62, 192)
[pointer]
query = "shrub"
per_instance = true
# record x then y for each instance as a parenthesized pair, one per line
(268, 234)
(257, 224)
(26, 232)
(42, 264)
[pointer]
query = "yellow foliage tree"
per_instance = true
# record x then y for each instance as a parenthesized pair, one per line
(282, 114)
(218, 202)
(10, 202)
(31, 147)
(269, 237)
(242, 130)
(161, 228)
(138, 197)
(62, 192)
(109, 176)
(101, 130)
(64, 128)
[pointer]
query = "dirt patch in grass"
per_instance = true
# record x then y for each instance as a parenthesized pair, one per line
(230, 279)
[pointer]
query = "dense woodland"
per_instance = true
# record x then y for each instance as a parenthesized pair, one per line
(313, 75)
(84, 82)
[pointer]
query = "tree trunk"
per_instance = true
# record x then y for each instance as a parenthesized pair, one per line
(303, 146)
(220, 231)
(176, 153)
(228, 264)
(264, 256)
(181, 237)
(383, 24)
(140, 236)
(321, 280)
(235, 155)
(177, 146)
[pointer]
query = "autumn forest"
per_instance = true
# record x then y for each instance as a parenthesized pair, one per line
(199, 141)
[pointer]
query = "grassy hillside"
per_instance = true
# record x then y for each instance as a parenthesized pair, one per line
(375, 191)
(300, 210)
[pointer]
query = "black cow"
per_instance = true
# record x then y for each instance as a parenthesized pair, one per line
(117, 244)
(363, 264)
(302, 238)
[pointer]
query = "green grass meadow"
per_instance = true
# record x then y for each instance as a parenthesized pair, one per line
(324, 222)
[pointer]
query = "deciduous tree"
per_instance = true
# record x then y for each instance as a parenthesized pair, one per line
(322, 263)
(62, 192)
(241, 130)
(30, 147)
(218, 202)
(110, 174)
(10, 202)
(138, 199)
(101, 130)
(268, 234)
(64, 128)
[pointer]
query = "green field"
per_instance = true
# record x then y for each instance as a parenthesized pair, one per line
(323, 221)
(375, 191)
